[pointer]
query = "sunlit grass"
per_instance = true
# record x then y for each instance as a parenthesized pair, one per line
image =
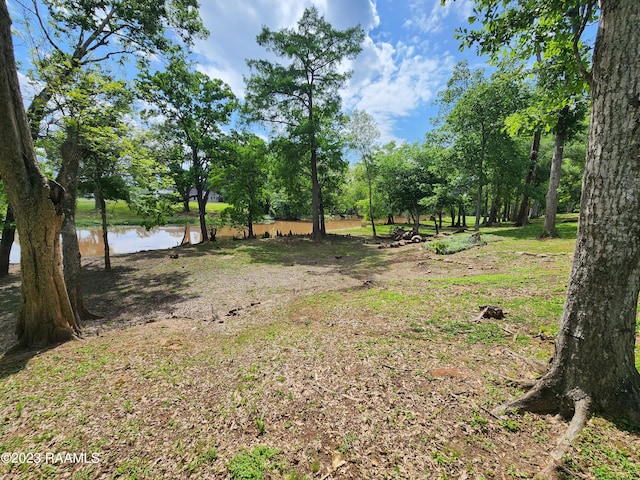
(119, 213)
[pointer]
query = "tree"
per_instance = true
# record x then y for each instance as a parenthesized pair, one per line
(45, 314)
(475, 111)
(298, 96)
(332, 166)
(245, 177)
(289, 180)
(150, 179)
(406, 179)
(593, 369)
(69, 36)
(560, 67)
(88, 96)
(362, 135)
(105, 145)
(194, 106)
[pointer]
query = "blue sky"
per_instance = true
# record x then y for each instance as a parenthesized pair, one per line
(408, 54)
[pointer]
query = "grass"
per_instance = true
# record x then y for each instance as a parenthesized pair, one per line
(339, 352)
(119, 213)
(252, 464)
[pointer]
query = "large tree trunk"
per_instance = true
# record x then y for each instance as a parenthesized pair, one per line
(523, 214)
(6, 242)
(44, 314)
(594, 360)
(72, 265)
(554, 177)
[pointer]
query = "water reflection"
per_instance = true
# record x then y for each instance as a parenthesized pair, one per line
(136, 239)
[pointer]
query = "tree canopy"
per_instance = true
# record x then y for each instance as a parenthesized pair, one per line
(298, 97)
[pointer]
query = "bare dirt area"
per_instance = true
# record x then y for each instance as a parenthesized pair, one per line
(282, 358)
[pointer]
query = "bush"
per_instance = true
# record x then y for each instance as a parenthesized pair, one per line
(458, 243)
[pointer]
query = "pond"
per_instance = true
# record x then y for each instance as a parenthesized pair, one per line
(136, 239)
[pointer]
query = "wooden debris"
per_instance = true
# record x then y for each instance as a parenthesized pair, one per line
(491, 311)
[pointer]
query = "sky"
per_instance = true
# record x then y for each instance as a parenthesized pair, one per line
(408, 54)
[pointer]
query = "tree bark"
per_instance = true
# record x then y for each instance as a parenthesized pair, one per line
(594, 357)
(44, 315)
(370, 188)
(493, 213)
(200, 184)
(476, 225)
(523, 214)
(323, 226)
(316, 231)
(105, 234)
(202, 214)
(71, 258)
(554, 177)
(6, 242)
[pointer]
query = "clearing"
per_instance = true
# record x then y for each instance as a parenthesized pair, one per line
(281, 358)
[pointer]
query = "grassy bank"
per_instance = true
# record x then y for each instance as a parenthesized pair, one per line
(287, 359)
(119, 213)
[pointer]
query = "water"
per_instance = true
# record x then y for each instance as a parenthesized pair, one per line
(136, 239)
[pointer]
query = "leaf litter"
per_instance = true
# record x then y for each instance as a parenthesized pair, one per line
(342, 367)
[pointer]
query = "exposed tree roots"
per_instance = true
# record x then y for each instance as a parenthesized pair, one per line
(533, 402)
(578, 422)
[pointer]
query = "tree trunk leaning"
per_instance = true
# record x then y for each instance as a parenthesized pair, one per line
(44, 315)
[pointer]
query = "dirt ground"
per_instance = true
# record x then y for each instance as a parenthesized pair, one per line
(332, 357)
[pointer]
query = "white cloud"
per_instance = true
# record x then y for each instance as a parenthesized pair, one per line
(391, 82)
(429, 16)
(392, 78)
(234, 26)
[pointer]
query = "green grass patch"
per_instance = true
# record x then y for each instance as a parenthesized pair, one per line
(253, 464)
(601, 458)
(119, 213)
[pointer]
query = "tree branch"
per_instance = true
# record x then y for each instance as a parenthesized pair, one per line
(578, 30)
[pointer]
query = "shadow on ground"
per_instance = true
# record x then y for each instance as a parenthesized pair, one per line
(126, 292)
